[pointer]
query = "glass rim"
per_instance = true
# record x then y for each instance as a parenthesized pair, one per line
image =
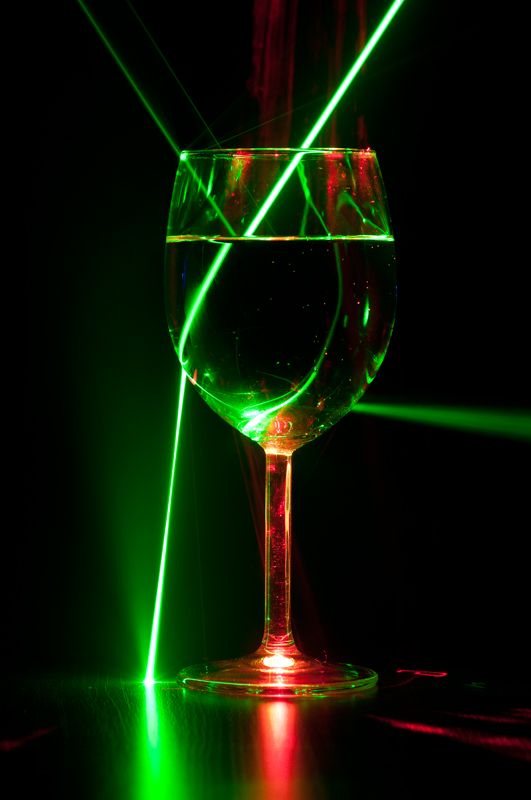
(242, 151)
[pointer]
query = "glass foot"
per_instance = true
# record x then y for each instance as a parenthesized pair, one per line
(275, 674)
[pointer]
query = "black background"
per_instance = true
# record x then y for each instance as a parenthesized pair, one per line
(410, 540)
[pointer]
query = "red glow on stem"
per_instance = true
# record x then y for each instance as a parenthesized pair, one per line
(278, 662)
(277, 633)
(252, 468)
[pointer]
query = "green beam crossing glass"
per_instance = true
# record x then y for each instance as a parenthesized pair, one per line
(280, 326)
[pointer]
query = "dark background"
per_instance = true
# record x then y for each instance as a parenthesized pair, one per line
(410, 540)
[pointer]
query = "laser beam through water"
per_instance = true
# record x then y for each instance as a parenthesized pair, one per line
(290, 169)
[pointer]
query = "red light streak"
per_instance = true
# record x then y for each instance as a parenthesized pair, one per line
(424, 673)
(411, 675)
(6, 745)
(511, 718)
(361, 7)
(512, 746)
(273, 70)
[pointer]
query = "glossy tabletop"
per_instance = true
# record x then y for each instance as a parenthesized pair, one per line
(417, 735)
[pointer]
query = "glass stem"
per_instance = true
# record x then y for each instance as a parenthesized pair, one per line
(277, 628)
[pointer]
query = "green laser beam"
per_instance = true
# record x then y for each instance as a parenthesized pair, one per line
(353, 71)
(152, 113)
(147, 105)
(200, 296)
(290, 169)
(150, 669)
(149, 678)
(515, 424)
(172, 73)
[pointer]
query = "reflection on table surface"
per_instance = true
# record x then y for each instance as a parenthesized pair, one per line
(418, 733)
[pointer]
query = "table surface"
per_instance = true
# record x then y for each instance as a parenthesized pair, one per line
(416, 735)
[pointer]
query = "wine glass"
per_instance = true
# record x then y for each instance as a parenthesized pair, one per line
(280, 294)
